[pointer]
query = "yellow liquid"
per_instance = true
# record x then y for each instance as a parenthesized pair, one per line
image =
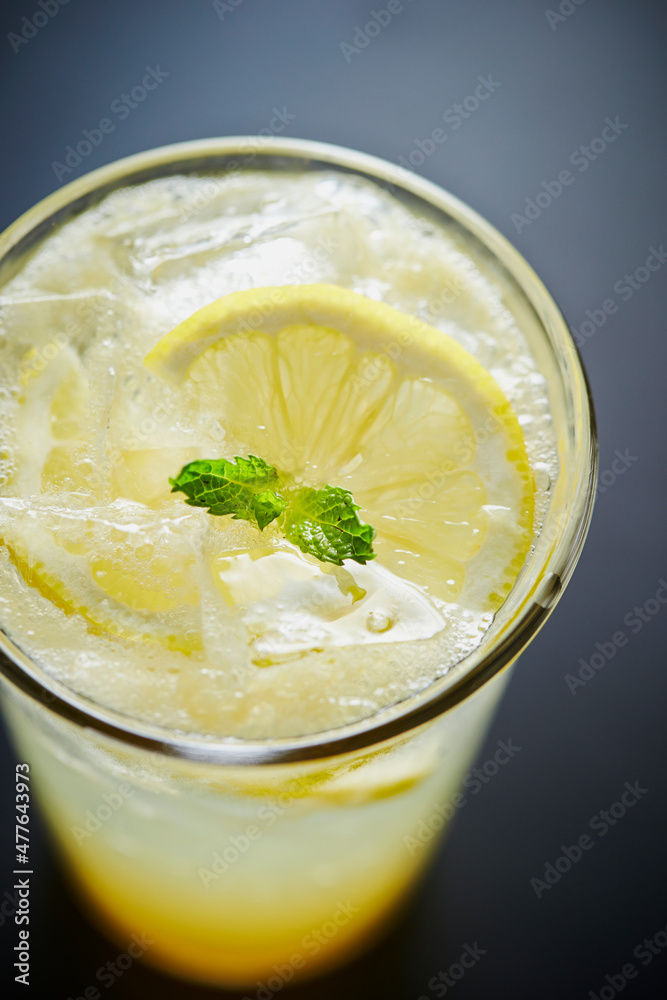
(233, 941)
(232, 876)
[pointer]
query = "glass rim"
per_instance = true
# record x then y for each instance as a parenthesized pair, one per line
(555, 554)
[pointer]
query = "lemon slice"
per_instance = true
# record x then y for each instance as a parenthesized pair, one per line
(125, 574)
(332, 387)
(53, 418)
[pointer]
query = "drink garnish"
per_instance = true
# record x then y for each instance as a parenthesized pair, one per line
(322, 522)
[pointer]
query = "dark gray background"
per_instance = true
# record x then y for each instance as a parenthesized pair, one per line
(557, 85)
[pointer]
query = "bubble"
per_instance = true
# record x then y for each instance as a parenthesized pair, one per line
(542, 477)
(160, 566)
(378, 621)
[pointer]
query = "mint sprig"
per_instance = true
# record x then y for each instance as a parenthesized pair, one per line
(321, 522)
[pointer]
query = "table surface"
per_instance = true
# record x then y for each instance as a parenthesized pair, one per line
(555, 75)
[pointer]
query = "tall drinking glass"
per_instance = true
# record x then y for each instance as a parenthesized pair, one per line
(240, 862)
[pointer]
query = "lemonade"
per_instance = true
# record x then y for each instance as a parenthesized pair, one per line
(373, 375)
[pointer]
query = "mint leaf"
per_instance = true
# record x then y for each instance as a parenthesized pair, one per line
(324, 523)
(240, 488)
